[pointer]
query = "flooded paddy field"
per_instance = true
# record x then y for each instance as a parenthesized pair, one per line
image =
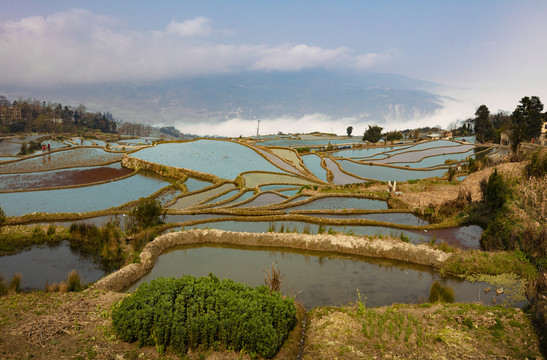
(81, 199)
(315, 143)
(72, 157)
(342, 202)
(315, 279)
(263, 199)
(57, 178)
(8, 147)
(416, 156)
(224, 159)
(340, 177)
(386, 173)
(395, 218)
(437, 160)
(461, 237)
(277, 157)
(253, 179)
(313, 164)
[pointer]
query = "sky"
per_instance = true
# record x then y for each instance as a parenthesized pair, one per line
(489, 52)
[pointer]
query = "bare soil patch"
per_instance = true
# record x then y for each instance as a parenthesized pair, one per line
(423, 194)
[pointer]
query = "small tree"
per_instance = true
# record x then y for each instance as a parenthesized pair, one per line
(349, 130)
(526, 120)
(373, 134)
(394, 135)
(148, 213)
(496, 193)
(484, 130)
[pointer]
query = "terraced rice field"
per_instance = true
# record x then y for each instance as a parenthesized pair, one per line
(259, 191)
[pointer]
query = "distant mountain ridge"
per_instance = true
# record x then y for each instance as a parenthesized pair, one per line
(367, 96)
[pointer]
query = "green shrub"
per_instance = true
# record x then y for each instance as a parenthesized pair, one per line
(441, 293)
(537, 166)
(497, 193)
(472, 165)
(148, 213)
(190, 312)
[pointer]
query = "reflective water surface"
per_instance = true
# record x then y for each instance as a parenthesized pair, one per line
(314, 279)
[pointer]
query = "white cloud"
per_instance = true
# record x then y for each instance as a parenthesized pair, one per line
(244, 127)
(298, 57)
(79, 47)
(198, 27)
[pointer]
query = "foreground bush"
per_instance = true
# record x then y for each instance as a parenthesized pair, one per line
(190, 312)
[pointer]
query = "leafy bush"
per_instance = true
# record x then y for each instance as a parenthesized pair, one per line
(190, 312)
(537, 166)
(148, 213)
(472, 165)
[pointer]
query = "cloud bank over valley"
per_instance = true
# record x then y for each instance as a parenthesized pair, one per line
(217, 69)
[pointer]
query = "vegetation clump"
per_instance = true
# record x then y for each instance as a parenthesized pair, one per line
(187, 313)
(537, 167)
(104, 243)
(147, 214)
(2, 217)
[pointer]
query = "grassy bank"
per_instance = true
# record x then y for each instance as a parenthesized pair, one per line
(425, 331)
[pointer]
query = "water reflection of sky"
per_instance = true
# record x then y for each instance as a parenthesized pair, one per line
(224, 159)
(385, 173)
(313, 164)
(82, 199)
(62, 159)
(337, 202)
